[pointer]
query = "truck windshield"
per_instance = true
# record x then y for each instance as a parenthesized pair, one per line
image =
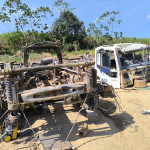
(135, 57)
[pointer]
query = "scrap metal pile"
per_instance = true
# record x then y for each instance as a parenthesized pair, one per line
(46, 81)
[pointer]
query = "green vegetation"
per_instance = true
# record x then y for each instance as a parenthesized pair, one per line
(7, 58)
(104, 25)
(81, 52)
(70, 30)
(30, 28)
(36, 57)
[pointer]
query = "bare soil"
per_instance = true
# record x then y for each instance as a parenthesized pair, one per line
(127, 130)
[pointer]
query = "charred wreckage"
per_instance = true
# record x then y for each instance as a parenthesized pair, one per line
(47, 81)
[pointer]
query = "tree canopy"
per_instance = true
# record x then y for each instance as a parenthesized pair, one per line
(68, 27)
(105, 25)
(33, 25)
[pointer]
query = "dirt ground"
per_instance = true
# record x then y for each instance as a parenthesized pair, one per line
(127, 130)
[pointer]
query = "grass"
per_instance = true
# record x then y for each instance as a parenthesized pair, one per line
(7, 58)
(81, 52)
(36, 56)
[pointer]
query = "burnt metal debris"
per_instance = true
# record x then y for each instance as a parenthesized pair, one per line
(47, 81)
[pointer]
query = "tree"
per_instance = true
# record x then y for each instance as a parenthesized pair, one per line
(69, 28)
(107, 20)
(103, 29)
(25, 19)
(93, 30)
(63, 6)
(22, 15)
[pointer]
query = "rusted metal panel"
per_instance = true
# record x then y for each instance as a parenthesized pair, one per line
(140, 83)
(48, 93)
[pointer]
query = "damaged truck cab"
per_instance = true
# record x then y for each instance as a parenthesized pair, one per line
(122, 65)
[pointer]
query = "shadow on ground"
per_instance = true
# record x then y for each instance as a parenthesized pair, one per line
(57, 124)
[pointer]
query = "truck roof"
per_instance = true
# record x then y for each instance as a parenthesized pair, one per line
(124, 47)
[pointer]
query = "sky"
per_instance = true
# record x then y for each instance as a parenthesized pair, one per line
(135, 14)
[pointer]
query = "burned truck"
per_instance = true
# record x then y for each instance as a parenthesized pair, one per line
(46, 81)
(123, 65)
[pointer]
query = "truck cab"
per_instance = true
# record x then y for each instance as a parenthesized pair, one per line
(120, 65)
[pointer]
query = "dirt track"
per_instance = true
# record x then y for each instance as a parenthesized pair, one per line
(129, 130)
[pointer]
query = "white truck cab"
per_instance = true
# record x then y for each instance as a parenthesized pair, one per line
(120, 64)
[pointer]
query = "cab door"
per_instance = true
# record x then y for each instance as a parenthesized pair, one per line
(103, 65)
(107, 67)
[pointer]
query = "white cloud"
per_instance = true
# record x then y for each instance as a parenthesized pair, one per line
(148, 16)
